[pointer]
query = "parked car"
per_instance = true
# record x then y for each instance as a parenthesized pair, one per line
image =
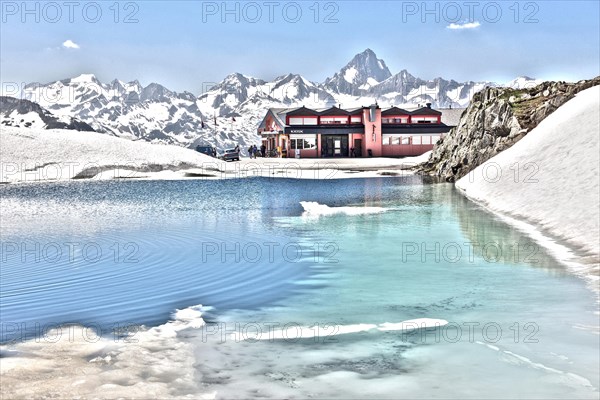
(231, 155)
(208, 150)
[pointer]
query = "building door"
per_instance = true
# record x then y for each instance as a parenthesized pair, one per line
(334, 146)
(328, 148)
(344, 146)
(358, 147)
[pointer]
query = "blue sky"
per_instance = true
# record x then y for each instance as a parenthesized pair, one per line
(188, 45)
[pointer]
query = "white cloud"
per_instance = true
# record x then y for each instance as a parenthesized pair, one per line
(69, 44)
(466, 25)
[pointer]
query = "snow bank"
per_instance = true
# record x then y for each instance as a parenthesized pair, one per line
(34, 155)
(550, 178)
(51, 155)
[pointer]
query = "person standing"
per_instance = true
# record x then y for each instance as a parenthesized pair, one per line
(263, 148)
(254, 150)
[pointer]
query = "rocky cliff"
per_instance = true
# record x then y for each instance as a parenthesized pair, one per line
(496, 119)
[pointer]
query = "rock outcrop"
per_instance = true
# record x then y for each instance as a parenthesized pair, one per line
(496, 119)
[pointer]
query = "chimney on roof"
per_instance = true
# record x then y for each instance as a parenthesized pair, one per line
(373, 112)
(428, 105)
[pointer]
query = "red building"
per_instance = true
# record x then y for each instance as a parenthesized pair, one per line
(360, 132)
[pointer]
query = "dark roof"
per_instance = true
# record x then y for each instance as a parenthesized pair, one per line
(278, 115)
(303, 111)
(334, 111)
(356, 111)
(425, 111)
(395, 111)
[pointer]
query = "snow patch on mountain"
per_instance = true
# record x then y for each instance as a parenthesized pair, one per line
(26, 114)
(350, 75)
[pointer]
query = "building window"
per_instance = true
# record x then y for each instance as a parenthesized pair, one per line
(396, 139)
(303, 120)
(425, 139)
(357, 119)
(394, 120)
(303, 142)
(334, 120)
(424, 120)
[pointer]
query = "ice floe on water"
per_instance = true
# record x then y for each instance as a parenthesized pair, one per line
(72, 361)
(296, 332)
(314, 209)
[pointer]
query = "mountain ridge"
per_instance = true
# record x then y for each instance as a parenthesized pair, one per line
(228, 113)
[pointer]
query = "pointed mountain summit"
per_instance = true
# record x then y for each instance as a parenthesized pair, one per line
(364, 71)
(85, 78)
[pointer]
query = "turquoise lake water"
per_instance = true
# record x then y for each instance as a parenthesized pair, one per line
(127, 253)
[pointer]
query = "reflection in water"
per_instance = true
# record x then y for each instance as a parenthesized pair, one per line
(493, 240)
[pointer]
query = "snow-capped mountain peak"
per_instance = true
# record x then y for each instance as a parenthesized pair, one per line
(364, 71)
(152, 113)
(85, 78)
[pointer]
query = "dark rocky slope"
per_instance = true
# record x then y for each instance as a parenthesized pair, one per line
(496, 119)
